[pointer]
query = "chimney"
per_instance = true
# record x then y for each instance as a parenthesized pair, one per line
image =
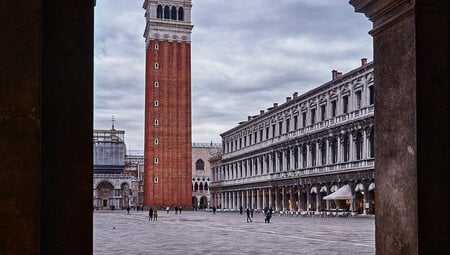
(261, 112)
(295, 95)
(288, 99)
(249, 118)
(338, 75)
(333, 74)
(275, 104)
(363, 61)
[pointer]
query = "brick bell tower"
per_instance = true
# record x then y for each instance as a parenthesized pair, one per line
(167, 145)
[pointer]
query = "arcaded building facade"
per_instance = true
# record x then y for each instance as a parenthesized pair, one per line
(314, 146)
(201, 173)
(116, 180)
(167, 139)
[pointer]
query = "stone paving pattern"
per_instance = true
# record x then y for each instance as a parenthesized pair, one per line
(229, 233)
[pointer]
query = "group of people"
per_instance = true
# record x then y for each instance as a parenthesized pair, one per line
(267, 212)
(177, 209)
(152, 214)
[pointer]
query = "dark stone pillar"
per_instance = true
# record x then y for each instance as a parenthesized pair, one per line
(46, 104)
(67, 116)
(20, 76)
(411, 124)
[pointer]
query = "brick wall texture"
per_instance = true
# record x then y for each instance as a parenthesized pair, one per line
(173, 131)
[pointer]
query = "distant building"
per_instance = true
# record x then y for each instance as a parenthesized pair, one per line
(167, 139)
(117, 180)
(201, 173)
(109, 151)
(312, 154)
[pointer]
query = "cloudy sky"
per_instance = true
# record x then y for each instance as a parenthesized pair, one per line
(246, 55)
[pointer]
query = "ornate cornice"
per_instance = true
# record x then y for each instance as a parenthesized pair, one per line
(384, 13)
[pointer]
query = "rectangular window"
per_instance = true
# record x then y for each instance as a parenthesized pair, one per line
(267, 133)
(255, 134)
(245, 140)
(371, 95)
(287, 125)
(333, 108)
(250, 139)
(313, 116)
(358, 99)
(345, 104)
(303, 119)
(280, 128)
(273, 130)
(295, 122)
(260, 135)
(240, 142)
(323, 112)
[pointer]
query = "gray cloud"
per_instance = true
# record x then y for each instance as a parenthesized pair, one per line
(246, 55)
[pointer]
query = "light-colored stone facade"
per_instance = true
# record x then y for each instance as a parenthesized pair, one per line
(201, 173)
(118, 176)
(293, 155)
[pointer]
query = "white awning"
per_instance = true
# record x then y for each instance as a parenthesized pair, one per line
(372, 186)
(343, 193)
(334, 188)
(313, 190)
(359, 187)
(323, 189)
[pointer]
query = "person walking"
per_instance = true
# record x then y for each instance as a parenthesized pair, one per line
(176, 209)
(150, 214)
(248, 215)
(214, 210)
(269, 215)
(155, 215)
(128, 209)
(167, 209)
(179, 209)
(251, 212)
(240, 209)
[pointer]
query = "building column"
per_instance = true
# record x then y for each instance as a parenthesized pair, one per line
(270, 197)
(246, 199)
(339, 156)
(300, 160)
(252, 199)
(258, 202)
(291, 199)
(277, 203)
(317, 200)
(365, 144)
(277, 162)
(263, 199)
(307, 198)
(351, 145)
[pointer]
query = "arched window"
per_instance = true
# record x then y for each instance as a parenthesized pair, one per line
(180, 14)
(206, 186)
(196, 187)
(199, 165)
(201, 187)
(166, 12)
(173, 13)
(159, 12)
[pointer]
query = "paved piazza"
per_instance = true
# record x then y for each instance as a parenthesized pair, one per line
(229, 233)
